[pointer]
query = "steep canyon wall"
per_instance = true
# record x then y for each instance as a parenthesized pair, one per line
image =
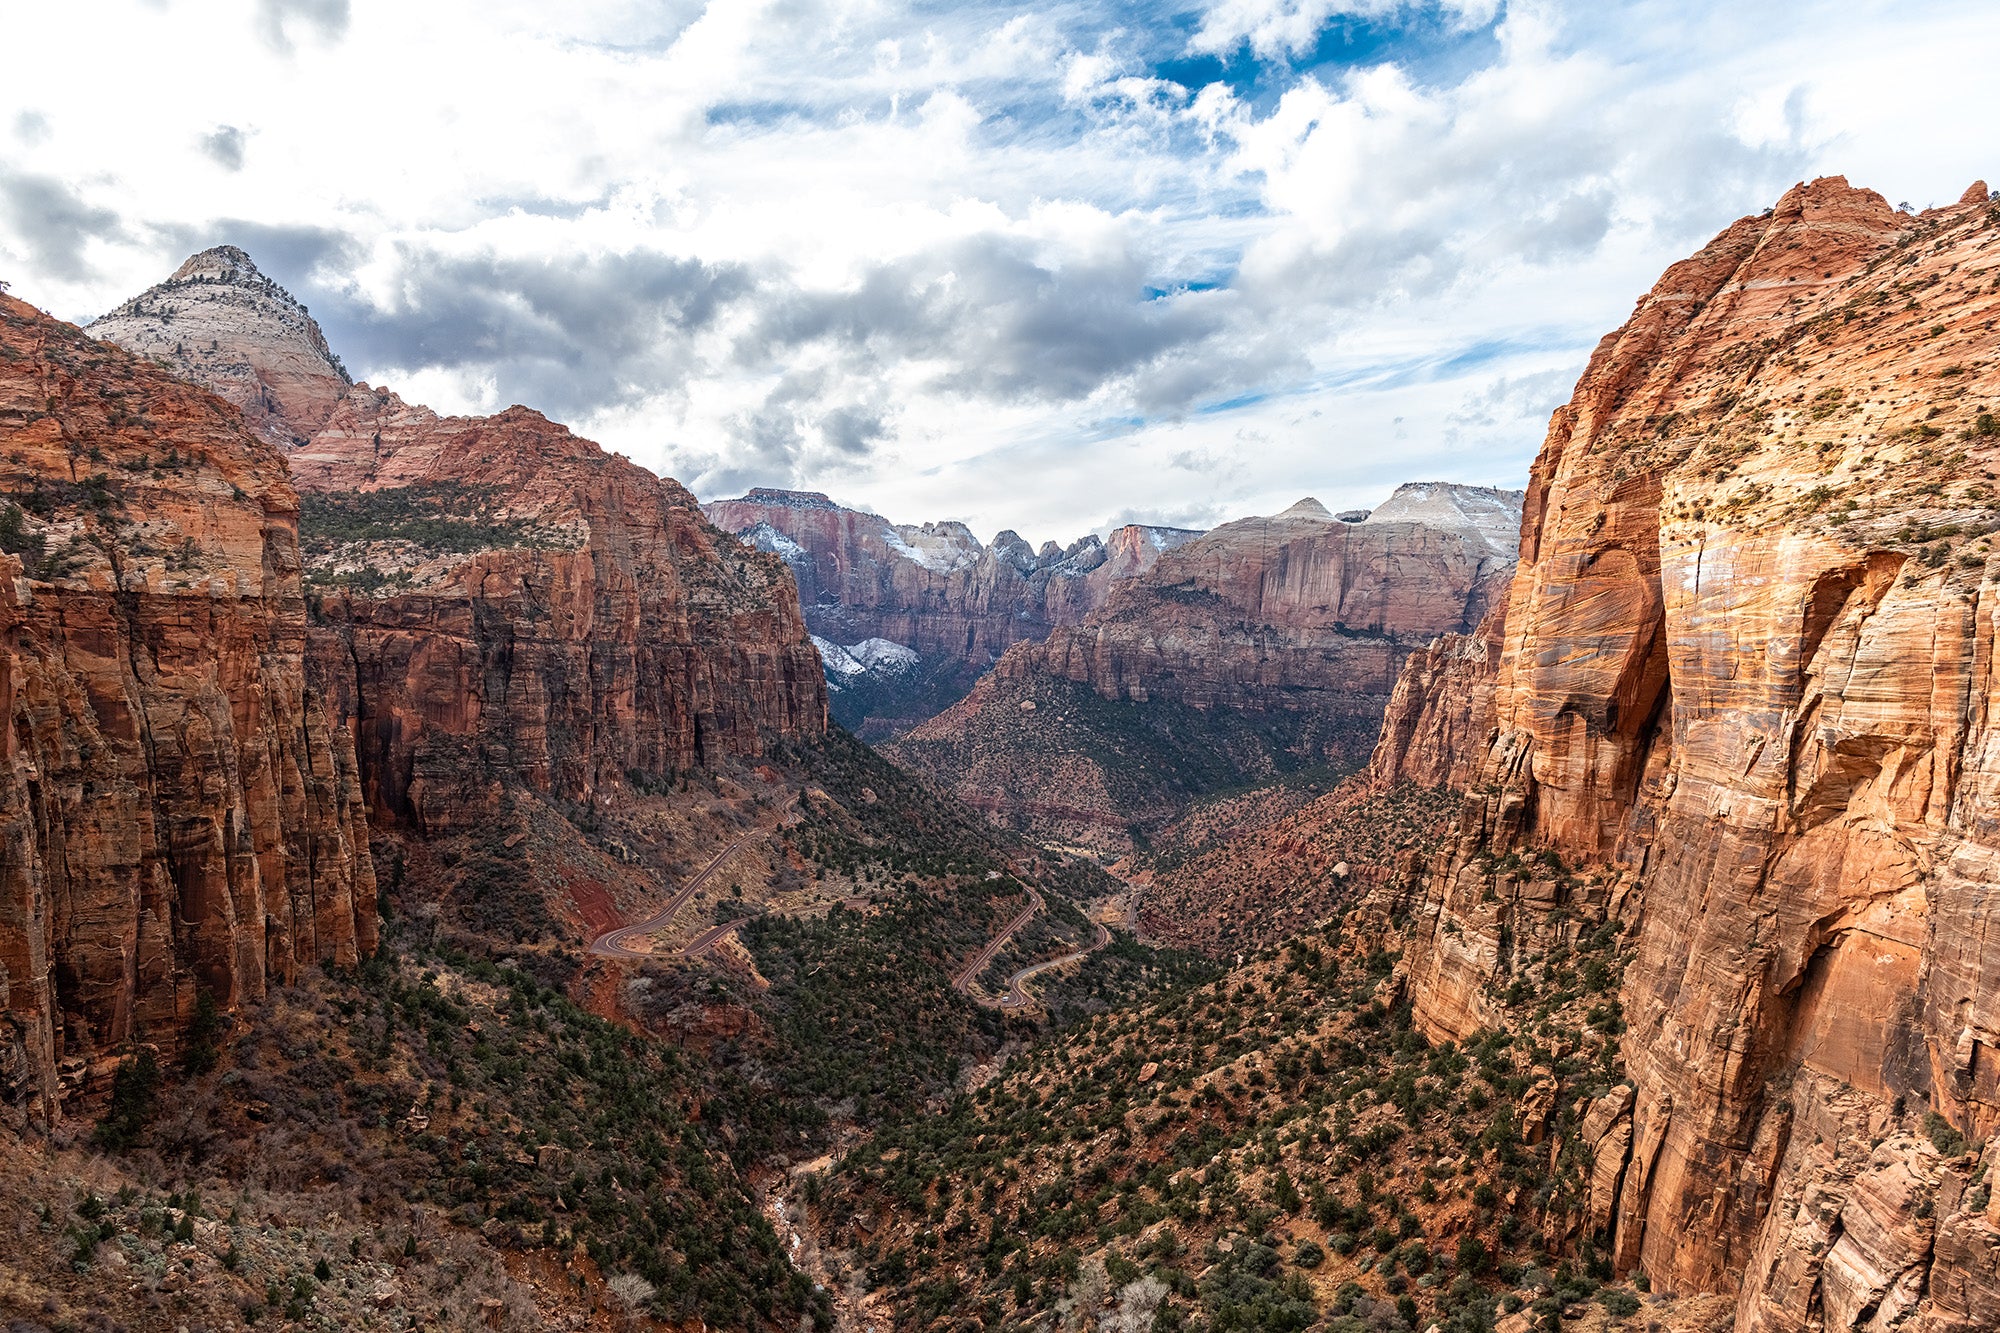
(1745, 702)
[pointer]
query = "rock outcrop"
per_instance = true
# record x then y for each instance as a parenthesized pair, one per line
(933, 589)
(1298, 612)
(1440, 715)
(1746, 704)
(1269, 643)
(495, 599)
(179, 811)
(223, 324)
(511, 603)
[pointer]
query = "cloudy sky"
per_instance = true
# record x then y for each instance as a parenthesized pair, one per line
(1043, 265)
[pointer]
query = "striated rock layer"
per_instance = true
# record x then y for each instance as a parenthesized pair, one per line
(178, 810)
(1297, 612)
(934, 588)
(1747, 703)
(495, 599)
(1439, 718)
(1269, 643)
(225, 325)
(509, 602)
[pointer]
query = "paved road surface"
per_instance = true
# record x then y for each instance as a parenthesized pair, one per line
(709, 939)
(611, 944)
(1017, 996)
(982, 959)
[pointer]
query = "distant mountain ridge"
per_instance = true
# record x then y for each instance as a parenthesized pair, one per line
(933, 588)
(1268, 644)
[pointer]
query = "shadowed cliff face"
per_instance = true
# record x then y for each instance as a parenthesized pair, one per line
(550, 612)
(1747, 681)
(177, 809)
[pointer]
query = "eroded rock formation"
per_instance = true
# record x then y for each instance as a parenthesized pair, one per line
(1265, 644)
(495, 598)
(1297, 612)
(179, 813)
(934, 588)
(510, 601)
(1746, 705)
(1440, 715)
(225, 325)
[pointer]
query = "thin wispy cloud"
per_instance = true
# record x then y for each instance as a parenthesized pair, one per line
(1033, 266)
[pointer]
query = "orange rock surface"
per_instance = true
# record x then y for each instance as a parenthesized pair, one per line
(1269, 643)
(178, 810)
(1297, 611)
(495, 598)
(1746, 703)
(601, 627)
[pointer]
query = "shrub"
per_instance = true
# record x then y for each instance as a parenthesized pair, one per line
(1948, 1141)
(132, 1091)
(1618, 1302)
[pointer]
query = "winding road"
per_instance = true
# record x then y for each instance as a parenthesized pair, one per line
(984, 958)
(1017, 996)
(708, 939)
(611, 944)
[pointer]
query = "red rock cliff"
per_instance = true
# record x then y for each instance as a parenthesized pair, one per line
(508, 600)
(934, 588)
(496, 598)
(1748, 697)
(1267, 644)
(1302, 611)
(176, 809)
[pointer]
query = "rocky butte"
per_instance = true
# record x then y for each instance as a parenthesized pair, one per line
(180, 804)
(1265, 644)
(1745, 703)
(933, 590)
(223, 324)
(496, 600)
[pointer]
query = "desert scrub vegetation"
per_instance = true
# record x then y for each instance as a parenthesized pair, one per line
(1275, 1148)
(1245, 872)
(438, 518)
(431, 1093)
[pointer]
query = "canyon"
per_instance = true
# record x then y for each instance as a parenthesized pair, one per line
(1267, 645)
(951, 604)
(213, 715)
(1664, 794)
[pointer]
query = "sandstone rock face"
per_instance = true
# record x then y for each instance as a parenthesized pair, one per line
(495, 599)
(178, 809)
(1440, 716)
(510, 602)
(1267, 643)
(1746, 704)
(1301, 611)
(933, 589)
(223, 324)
